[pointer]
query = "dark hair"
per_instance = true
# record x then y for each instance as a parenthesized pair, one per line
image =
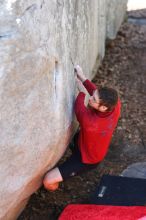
(108, 97)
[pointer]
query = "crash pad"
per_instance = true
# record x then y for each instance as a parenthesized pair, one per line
(118, 190)
(101, 212)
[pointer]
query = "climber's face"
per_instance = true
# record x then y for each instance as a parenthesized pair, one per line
(95, 102)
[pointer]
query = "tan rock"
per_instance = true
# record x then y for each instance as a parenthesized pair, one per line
(38, 39)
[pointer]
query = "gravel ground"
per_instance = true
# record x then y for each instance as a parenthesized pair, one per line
(124, 67)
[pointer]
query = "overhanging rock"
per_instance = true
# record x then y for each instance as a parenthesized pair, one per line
(38, 39)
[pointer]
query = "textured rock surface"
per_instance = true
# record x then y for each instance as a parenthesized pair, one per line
(114, 16)
(38, 39)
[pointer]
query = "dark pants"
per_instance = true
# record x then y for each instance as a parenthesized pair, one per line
(73, 165)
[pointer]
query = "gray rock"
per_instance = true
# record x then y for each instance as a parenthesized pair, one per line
(137, 170)
(113, 10)
(38, 39)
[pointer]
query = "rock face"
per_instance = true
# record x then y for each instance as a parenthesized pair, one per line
(38, 40)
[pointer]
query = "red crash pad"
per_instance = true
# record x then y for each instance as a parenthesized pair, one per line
(103, 212)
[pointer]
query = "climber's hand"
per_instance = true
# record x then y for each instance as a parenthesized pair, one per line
(79, 73)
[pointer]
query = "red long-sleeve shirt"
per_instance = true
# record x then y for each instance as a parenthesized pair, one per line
(96, 128)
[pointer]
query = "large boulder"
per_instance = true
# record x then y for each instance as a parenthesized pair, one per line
(38, 41)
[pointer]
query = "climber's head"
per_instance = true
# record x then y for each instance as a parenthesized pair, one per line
(104, 99)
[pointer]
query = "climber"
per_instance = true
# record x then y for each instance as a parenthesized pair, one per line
(97, 122)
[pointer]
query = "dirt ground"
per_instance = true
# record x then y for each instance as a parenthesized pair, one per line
(124, 67)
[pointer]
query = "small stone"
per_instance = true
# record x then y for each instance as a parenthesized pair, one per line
(137, 170)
